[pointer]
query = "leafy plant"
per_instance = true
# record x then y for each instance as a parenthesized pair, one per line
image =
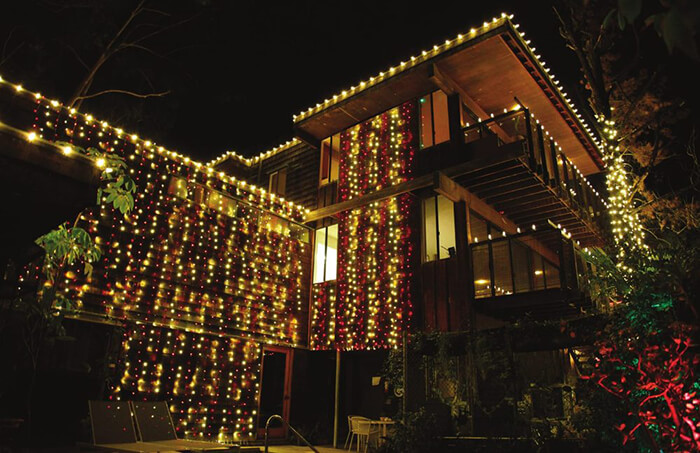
(418, 433)
(65, 247)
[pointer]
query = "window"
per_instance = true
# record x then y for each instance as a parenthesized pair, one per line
(326, 254)
(504, 265)
(330, 158)
(503, 282)
(278, 182)
(439, 228)
(434, 119)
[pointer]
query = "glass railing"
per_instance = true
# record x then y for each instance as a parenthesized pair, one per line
(506, 266)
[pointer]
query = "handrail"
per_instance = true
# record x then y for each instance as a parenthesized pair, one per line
(284, 422)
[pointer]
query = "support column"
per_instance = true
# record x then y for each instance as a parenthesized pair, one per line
(336, 408)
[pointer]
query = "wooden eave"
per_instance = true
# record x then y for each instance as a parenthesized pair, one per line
(492, 69)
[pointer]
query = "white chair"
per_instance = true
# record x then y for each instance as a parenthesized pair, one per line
(365, 431)
(351, 434)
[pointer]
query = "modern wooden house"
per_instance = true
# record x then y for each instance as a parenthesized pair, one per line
(448, 193)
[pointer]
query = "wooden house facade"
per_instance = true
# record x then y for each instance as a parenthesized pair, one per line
(448, 193)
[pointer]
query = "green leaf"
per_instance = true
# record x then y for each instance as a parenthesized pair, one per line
(88, 269)
(629, 10)
(608, 19)
(677, 34)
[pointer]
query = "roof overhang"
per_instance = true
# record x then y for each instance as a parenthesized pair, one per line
(491, 66)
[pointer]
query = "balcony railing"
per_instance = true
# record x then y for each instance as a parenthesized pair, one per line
(544, 159)
(508, 265)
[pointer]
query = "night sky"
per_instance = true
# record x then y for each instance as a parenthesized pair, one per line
(238, 71)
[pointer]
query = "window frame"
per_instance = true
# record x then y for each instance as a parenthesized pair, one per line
(437, 228)
(324, 274)
(330, 154)
(428, 101)
(277, 182)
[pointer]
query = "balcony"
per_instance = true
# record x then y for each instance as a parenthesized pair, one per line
(507, 278)
(510, 162)
(512, 276)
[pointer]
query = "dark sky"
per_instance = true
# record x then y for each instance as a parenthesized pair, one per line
(238, 71)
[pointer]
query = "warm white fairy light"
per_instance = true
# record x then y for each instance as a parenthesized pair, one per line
(250, 161)
(288, 208)
(627, 228)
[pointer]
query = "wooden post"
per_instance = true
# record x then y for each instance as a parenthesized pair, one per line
(404, 371)
(543, 155)
(462, 246)
(336, 409)
(454, 119)
(530, 141)
(565, 171)
(555, 166)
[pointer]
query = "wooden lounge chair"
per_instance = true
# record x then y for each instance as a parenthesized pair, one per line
(156, 427)
(113, 429)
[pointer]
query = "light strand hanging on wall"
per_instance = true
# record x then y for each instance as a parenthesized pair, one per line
(372, 295)
(203, 270)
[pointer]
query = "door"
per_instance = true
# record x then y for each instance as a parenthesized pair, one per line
(275, 389)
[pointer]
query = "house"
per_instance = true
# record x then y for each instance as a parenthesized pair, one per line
(448, 193)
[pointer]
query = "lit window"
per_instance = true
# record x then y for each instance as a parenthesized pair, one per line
(439, 228)
(326, 254)
(278, 182)
(330, 157)
(434, 122)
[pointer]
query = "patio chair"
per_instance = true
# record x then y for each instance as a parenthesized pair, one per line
(113, 428)
(351, 435)
(365, 431)
(155, 426)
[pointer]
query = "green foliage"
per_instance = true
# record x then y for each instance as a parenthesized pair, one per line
(67, 246)
(392, 370)
(417, 434)
(119, 186)
(676, 24)
(641, 390)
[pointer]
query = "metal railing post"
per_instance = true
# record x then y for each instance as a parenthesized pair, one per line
(284, 422)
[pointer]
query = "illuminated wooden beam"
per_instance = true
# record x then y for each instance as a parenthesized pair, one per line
(449, 86)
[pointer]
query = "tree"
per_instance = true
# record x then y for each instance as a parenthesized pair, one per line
(65, 247)
(113, 55)
(643, 387)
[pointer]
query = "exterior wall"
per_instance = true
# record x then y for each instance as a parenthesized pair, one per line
(200, 274)
(369, 304)
(302, 165)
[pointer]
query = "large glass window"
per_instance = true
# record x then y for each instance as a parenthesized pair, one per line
(434, 119)
(503, 280)
(521, 267)
(326, 254)
(438, 228)
(482, 273)
(504, 265)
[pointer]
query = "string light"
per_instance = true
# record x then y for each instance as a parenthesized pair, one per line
(627, 227)
(369, 305)
(203, 271)
(53, 107)
(505, 20)
(250, 161)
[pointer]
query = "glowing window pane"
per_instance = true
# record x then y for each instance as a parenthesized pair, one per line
(319, 255)
(332, 252)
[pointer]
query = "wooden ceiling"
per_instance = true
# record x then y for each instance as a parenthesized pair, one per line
(492, 69)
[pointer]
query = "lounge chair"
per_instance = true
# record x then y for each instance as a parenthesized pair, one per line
(156, 427)
(113, 429)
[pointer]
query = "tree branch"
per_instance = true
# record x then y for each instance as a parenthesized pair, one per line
(130, 93)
